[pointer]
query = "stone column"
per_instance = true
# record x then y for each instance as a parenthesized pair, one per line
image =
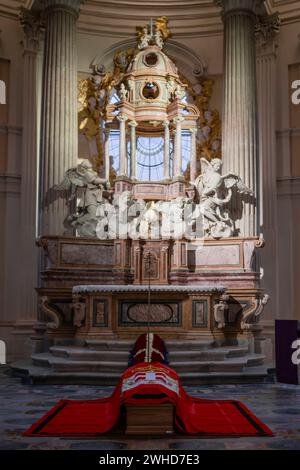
(59, 107)
(133, 161)
(193, 160)
(177, 148)
(32, 28)
(123, 147)
(239, 134)
(167, 150)
(106, 154)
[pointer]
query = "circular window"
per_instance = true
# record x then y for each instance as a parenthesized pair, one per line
(150, 91)
(151, 59)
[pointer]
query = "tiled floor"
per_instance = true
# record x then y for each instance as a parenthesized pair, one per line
(276, 405)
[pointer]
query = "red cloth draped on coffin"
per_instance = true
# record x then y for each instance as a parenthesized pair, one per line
(149, 383)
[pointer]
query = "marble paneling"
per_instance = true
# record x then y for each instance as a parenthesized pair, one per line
(87, 254)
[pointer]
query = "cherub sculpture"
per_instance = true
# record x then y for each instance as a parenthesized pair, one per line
(144, 37)
(215, 192)
(158, 39)
(123, 93)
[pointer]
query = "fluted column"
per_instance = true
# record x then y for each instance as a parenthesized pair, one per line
(193, 160)
(133, 161)
(59, 108)
(167, 150)
(32, 29)
(177, 150)
(123, 147)
(239, 134)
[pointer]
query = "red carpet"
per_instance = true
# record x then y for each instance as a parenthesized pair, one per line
(150, 383)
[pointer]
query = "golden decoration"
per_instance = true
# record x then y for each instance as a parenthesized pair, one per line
(94, 94)
(161, 25)
(89, 117)
(207, 148)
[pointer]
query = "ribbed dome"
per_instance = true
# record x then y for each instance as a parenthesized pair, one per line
(152, 60)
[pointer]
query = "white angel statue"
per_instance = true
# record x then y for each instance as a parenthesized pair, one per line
(215, 193)
(159, 39)
(84, 183)
(144, 38)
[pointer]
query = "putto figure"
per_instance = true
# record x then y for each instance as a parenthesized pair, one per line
(215, 192)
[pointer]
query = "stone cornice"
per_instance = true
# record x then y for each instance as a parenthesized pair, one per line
(188, 18)
(89, 289)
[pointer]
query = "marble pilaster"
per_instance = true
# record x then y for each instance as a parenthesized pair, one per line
(267, 29)
(32, 26)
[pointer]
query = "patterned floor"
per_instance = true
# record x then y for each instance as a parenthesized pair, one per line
(21, 405)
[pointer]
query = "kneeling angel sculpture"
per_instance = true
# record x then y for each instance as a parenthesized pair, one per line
(83, 183)
(216, 192)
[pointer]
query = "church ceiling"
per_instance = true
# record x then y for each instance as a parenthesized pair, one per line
(188, 18)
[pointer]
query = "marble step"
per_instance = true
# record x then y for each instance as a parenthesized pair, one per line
(109, 345)
(60, 364)
(212, 354)
(227, 365)
(84, 353)
(127, 345)
(76, 353)
(33, 374)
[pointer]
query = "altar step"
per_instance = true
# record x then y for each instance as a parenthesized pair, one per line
(58, 364)
(102, 362)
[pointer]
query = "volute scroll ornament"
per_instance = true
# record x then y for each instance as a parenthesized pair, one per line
(51, 313)
(220, 310)
(251, 316)
(79, 311)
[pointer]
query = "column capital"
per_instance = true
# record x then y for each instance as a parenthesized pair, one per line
(166, 123)
(71, 6)
(133, 123)
(178, 119)
(266, 30)
(32, 23)
(231, 7)
(122, 117)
